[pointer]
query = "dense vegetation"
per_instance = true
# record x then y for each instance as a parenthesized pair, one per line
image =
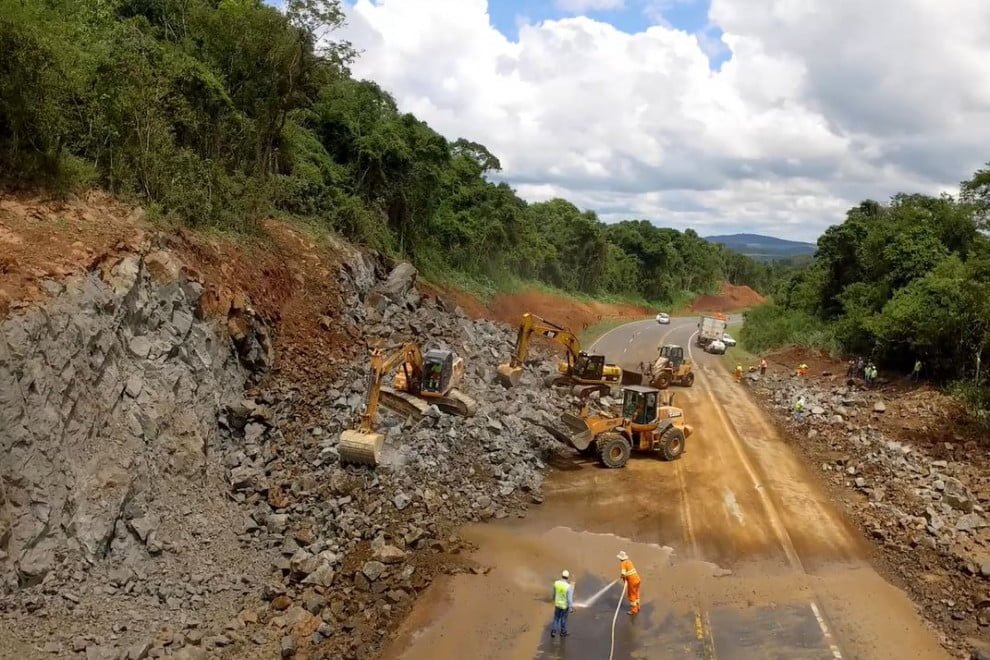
(897, 282)
(220, 112)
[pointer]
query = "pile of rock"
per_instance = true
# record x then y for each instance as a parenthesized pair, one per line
(929, 514)
(351, 539)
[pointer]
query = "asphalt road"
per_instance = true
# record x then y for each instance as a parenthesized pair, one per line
(742, 554)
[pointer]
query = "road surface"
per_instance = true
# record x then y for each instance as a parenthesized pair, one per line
(742, 554)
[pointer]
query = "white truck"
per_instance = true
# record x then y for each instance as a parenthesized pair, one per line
(711, 328)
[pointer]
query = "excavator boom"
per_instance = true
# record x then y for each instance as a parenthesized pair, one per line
(510, 372)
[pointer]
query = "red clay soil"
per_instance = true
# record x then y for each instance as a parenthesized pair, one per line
(574, 314)
(45, 239)
(731, 298)
(286, 278)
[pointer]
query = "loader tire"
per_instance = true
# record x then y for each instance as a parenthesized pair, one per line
(613, 450)
(662, 382)
(689, 380)
(672, 444)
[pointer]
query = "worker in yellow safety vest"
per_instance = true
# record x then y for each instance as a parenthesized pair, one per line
(563, 603)
(803, 370)
(739, 372)
(631, 577)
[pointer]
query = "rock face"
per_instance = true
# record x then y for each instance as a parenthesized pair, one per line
(109, 386)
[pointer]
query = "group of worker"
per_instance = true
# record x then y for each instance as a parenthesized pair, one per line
(563, 594)
(860, 368)
(739, 369)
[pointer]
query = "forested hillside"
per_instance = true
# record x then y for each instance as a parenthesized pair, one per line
(217, 113)
(897, 282)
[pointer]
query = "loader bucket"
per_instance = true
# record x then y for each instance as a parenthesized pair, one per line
(572, 430)
(361, 448)
(507, 375)
(632, 377)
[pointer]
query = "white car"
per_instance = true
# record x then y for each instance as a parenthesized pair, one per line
(728, 340)
(663, 319)
(716, 347)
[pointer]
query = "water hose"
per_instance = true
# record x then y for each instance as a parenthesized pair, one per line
(615, 617)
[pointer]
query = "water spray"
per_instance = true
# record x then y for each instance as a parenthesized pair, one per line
(601, 592)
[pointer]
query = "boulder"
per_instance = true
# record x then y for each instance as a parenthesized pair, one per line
(399, 282)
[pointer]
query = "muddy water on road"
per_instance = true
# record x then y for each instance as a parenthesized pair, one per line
(741, 556)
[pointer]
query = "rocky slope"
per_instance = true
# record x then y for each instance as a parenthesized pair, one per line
(151, 507)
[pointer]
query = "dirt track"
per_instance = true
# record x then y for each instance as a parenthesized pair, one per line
(742, 554)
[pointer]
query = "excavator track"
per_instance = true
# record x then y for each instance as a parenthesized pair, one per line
(455, 403)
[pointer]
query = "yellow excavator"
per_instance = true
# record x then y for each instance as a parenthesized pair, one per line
(585, 371)
(424, 379)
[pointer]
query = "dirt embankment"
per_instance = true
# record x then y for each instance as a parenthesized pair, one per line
(730, 298)
(563, 310)
(910, 466)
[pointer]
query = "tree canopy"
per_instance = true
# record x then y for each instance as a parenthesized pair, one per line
(219, 112)
(897, 282)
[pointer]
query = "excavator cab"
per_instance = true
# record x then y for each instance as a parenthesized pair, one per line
(589, 367)
(438, 368)
(639, 404)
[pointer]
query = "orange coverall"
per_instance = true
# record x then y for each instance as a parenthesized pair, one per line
(631, 577)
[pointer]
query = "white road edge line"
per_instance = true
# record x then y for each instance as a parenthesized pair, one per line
(836, 653)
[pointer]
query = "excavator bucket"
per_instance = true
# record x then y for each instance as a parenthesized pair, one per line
(573, 430)
(507, 375)
(361, 448)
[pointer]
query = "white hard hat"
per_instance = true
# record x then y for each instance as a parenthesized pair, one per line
(564, 574)
(622, 556)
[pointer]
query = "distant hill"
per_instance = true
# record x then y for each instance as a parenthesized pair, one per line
(763, 248)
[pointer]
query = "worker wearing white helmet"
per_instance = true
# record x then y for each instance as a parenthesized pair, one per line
(563, 603)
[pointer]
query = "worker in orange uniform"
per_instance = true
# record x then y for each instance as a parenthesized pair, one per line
(803, 370)
(631, 577)
(739, 372)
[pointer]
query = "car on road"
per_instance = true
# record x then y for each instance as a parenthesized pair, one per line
(728, 340)
(716, 347)
(663, 318)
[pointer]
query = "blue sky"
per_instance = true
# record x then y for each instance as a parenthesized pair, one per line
(633, 16)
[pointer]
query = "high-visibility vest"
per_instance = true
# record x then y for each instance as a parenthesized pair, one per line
(628, 571)
(560, 588)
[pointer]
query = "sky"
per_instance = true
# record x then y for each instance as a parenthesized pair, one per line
(726, 116)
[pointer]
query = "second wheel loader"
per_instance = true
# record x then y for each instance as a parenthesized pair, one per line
(649, 423)
(424, 379)
(586, 372)
(670, 368)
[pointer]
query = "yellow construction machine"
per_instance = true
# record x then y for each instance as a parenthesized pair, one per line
(670, 367)
(424, 379)
(586, 372)
(649, 422)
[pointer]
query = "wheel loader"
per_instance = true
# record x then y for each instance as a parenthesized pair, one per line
(586, 372)
(670, 368)
(423, 379)
(649, 423)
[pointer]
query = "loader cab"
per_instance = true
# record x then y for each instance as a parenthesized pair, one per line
(639, 404)
(438, 368)
(589, 367)
(674, 354)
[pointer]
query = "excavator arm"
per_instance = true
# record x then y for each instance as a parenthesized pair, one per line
(510, 372)
(409, 356)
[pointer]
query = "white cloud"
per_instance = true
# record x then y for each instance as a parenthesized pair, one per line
(580, 6)
(823, 103)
